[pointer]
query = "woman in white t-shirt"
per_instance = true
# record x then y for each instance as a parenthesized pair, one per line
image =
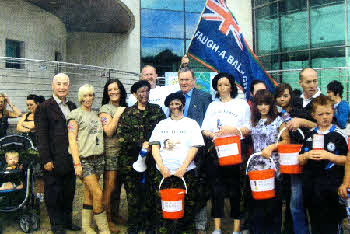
(175, 142)
(226, 116)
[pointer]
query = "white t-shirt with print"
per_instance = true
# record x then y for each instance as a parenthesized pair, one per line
(176, 138)
(235, 113)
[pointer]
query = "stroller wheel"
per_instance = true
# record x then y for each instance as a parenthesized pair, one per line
(35, 225)
(25, 223)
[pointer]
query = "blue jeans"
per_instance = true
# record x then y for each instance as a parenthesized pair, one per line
(297, 210)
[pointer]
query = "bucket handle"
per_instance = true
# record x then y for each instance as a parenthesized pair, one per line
(161, 182)
(240, 134)
(283, 129)
(258, 153)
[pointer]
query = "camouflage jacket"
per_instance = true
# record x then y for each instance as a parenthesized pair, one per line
(135, 127)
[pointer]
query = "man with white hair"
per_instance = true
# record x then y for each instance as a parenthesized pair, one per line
(58, 167)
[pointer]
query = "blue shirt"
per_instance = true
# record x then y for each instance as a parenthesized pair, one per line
(341, 113)
(188, 101)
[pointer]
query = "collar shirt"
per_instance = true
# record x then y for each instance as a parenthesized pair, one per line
(63, 105)
(188, 97)
(307, 101)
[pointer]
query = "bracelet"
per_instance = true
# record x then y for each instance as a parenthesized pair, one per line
(77, 164)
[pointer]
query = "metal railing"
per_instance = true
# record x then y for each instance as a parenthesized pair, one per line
(20, 77)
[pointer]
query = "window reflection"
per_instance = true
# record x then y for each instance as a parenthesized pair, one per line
(192, 20)
(328, 25)
(165, 54)
(266, 33)
(194, 5)
(283, 26)
(156, 23)
(163, 4)
(293, 21)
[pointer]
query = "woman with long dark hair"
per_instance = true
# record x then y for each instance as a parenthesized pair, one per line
(26, 126)
(265, 216)
(113, 105)
(226, 116)
(26, 123)
(284, 102)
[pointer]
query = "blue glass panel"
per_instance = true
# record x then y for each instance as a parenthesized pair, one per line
(163, 4)
(327, 25)
(194, 5)
(157, 23)
(266, 29)
(294, 35)
(192, 20)
(153, 46)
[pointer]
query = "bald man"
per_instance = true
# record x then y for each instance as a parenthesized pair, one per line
(58, 167)
(157, 94)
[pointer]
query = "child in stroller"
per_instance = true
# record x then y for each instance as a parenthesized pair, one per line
(17, 158)
(12, 159)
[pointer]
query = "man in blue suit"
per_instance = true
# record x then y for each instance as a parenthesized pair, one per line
(197, 102)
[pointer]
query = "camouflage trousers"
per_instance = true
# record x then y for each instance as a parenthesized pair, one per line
(141, 201)
(193, 203)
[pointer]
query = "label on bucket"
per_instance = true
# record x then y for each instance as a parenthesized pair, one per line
(227, 150)
(172, 206)
(262, 185)
(289, 159)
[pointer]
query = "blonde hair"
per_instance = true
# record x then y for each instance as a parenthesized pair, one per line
(83, 90)
(12, 153)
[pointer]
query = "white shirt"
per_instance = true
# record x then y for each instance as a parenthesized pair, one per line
(307, 101)
(63, 105)
(235, 113)
(176, 138)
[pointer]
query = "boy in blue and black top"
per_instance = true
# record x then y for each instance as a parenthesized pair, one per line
(323, 157)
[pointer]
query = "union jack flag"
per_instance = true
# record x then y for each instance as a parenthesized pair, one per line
(220, 12)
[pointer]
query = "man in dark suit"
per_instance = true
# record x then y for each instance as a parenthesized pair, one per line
(197, 102)
(58, 167)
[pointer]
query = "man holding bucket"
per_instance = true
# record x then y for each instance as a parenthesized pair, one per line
(175, 142)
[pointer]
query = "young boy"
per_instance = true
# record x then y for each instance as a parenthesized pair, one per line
(323, 157)
(12, 159)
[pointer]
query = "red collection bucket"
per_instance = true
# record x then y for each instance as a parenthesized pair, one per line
(288, 157)
(228, 150)
(262, 182)
(173, 201)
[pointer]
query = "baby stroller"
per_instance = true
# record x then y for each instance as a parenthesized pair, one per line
(22, 201)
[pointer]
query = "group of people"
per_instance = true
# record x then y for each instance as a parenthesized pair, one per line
(176, 133)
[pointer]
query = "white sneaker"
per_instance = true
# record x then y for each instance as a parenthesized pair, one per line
(217, 231)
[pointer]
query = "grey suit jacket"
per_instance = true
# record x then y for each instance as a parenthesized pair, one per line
(198, 106)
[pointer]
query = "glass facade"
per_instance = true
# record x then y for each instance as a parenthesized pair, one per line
(167, 27)
(293, 34)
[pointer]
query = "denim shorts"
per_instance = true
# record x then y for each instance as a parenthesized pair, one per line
(93, 164)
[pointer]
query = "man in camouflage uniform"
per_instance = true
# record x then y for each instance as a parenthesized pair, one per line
(134, 129)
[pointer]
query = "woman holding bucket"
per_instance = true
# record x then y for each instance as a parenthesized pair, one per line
(175, 142)
(284, 102)
(265, 211)
(226, 119)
